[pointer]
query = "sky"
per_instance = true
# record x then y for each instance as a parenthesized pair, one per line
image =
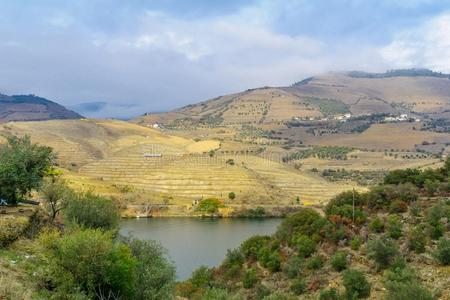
(116, 58)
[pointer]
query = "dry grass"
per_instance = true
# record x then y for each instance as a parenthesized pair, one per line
(399, 136)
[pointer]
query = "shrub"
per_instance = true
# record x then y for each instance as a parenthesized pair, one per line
(234, 258)
(210, 205)
(257, 212)
(356, 285)
(251, 247)
(377, 225)
(231, 195)
(394, 227)
(402, 291)
(87, 261)
(293, 267)
(316, 262)
(305, 245)
(262, 291)
(298, 287)
(442, 253)
(92, 211)
(217, 294)
(356, 242)
(154, 276)
(417, 239)
(250, 278)
(330, 294)
(270, 259)
(11, 229)
(382, 251)
(278, 296)
(202, 277)
(339, 261)
(306, 221)
(398, 206)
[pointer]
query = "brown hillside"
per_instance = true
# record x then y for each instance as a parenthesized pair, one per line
(32, 108)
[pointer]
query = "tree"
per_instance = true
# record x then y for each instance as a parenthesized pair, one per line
(54, 191)
(231, 195)
(23, 166)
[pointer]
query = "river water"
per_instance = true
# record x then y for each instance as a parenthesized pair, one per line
(193, 242)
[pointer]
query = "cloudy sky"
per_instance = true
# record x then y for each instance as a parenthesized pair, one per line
(135, 56)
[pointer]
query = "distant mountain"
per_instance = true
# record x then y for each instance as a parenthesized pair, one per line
(32, 108)
(412, 91)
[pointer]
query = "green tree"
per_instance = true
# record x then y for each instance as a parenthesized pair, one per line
(92, 211)
(23, 166)
(54, 191)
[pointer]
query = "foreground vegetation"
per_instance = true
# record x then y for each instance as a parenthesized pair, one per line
(391, 242)
(70, 248)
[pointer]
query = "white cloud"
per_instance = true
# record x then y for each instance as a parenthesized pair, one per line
(425, 46)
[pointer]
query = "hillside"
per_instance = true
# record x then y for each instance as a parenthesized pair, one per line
(416, 92)
(32, 108)
(145, 166)
(391, 242)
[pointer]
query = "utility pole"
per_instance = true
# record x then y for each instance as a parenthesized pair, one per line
(353, 206)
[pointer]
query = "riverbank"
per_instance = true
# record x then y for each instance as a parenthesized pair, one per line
(230, 211)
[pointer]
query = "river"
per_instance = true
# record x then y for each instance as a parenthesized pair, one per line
(193, 242)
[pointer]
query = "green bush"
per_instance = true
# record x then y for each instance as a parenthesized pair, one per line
(11, 229)
(403, 291)
(394, 227)
(210, 205)
(261, 291)
(218, 294)
(86, 261)
(305, 245)
(270, 259)
(417, 239)
(293, 267)
(382, 251)
(330, 294)
(356, 242)
(231, 195)
(154, 276)
(356, 285)
(339, 261)
(234, 258)
(377, 225)
(306, 221)
(442, 253)
(250, 278)
(398, 206)
(251, 247)
(92, 211)
(298, 287)
(202, 277)
(316, 262)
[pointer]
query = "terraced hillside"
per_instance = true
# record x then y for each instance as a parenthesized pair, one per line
(190, 176)
(133, 158)
(413, 91)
